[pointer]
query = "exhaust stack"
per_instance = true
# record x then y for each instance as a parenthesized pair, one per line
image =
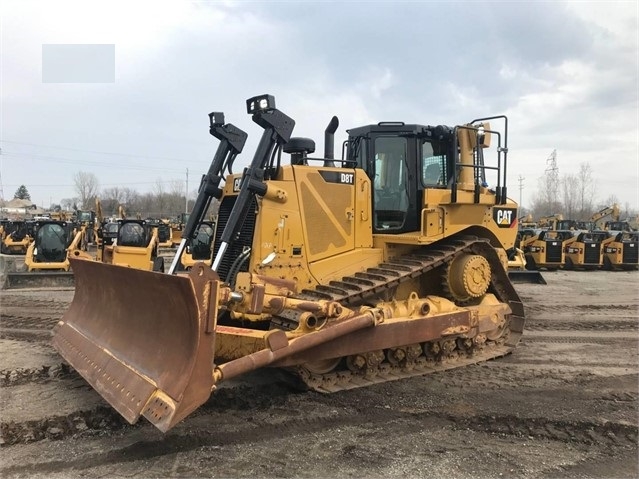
(329, 141)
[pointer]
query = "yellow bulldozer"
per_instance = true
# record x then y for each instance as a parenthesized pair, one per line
(387, 263)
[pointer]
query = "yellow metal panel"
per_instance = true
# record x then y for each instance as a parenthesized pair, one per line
(328, 211)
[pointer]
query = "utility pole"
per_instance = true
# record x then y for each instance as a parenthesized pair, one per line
(186, 193)
(521, 187)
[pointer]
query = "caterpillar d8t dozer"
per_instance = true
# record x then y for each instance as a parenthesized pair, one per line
(387, 263)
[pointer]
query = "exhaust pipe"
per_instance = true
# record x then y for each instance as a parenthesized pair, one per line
(329, 141)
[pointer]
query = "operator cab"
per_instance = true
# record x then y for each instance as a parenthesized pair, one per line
(200, 245)
(51, 238)
(401, 161)
(135, 233)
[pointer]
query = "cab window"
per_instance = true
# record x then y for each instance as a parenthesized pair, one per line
(434, 172)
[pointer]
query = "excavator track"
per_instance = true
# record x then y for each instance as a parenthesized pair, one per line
(420, 358)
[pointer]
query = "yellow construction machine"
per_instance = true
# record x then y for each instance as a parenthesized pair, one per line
(387, 263)
(165, 231)
(519, 270)
(87, 222)
(135, 246)
(177, 225)
(16, 236)
(621, 250)
(598, 219)
(54, 243)
(549, 222)
(546, 249)
(199, 246)
(584, 250)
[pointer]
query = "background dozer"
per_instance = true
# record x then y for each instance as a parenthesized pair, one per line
(387, 263)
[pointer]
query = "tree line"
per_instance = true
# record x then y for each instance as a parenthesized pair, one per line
(574, 195)
(165, 200)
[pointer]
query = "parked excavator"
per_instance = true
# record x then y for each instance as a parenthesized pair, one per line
(609, 211)
(345, 272)
(550, 222)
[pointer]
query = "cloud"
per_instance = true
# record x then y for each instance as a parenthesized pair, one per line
(564, 72)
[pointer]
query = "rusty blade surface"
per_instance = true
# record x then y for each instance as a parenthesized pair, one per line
(143, 340)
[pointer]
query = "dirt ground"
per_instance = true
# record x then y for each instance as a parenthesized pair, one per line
(564, 404)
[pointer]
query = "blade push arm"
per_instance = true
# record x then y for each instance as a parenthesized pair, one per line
(277, 131)
(232, 141)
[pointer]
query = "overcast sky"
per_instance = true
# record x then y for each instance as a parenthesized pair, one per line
(565, 74)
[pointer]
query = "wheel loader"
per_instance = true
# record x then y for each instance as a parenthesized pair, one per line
(384, 264)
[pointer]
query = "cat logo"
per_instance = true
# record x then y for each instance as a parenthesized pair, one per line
(237, 182)
(505, 217)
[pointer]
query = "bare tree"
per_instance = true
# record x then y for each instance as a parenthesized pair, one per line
(67, 203)
(570, 192)
(586, 191)
(546, 201)
(86, 186)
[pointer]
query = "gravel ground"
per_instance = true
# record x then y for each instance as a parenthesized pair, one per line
(564, 404)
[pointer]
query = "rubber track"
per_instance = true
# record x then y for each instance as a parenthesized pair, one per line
(375, 282)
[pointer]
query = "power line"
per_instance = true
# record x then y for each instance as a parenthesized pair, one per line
(128, 155)
(59, 159)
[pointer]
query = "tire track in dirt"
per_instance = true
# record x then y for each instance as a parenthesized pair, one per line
(608, 434)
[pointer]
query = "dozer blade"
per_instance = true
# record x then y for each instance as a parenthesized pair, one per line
(526, 276)
(143, 340)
